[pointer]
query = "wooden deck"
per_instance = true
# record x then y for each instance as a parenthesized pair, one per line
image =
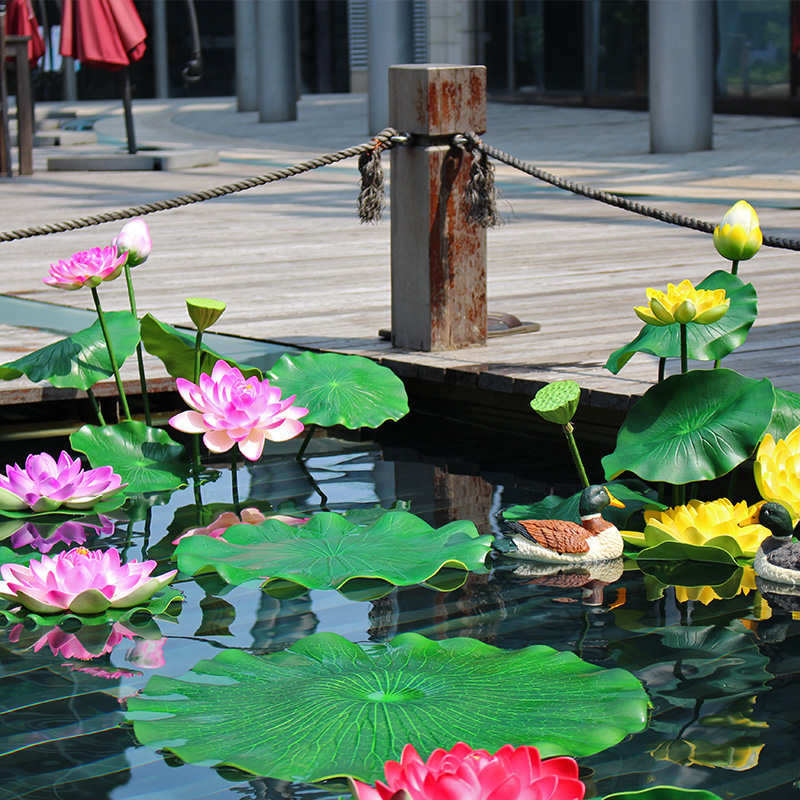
(295, 266)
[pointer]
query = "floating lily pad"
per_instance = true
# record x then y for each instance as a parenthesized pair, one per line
(165, 602)
(329, 550)
(704, 342)
(147, 459)
(327, 707)
(80, 360)
(720, 550)
(635, 494)
(176, 350)
(693, 427)
(341, 390)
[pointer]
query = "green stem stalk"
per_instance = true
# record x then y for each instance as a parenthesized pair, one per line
(734, 267)
(576, 456)
(235, 480)
(198, 350)
(122, 398)
(139, 352)
(95, 406)
(309, 435)
(684, 350)
(662, 364)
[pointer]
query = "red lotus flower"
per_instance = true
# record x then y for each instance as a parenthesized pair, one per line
(466, 774)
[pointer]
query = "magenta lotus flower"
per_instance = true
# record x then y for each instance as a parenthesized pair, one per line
(134, 241)
(80, 581)
(45, 537)
(250, 516)
(231, 410)
(87, 268)
(46, 484)
(84, 644)
(147, 653)
(466, 774)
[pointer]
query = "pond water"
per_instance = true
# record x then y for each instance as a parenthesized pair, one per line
(720, 671)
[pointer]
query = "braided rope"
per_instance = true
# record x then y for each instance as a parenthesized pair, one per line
(383, 139)
(613, 199)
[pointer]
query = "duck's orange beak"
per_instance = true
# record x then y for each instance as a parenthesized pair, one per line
(753, 519)
(613, 501)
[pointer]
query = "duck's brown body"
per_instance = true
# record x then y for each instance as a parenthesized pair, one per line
(556, 541)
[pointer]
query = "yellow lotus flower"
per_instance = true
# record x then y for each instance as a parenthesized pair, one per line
(777, 471)
(738, 754)
(700, 523)
(738, 237)
(706, 594)
(683, 303)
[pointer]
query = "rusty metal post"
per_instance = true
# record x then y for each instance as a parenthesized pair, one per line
(438, 255)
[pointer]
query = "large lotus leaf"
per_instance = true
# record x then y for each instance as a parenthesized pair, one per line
(329, 550)
(145, 458)
(328, 707)
(704, 342)
(341, 390)
(693, 427)
(80, 360)
(176, 350)
(785, 414)
(166, 601)
(664, 793)
(721, 550)
(630, 491)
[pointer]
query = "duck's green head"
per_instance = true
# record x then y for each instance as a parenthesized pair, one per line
(774, 517)
(595, 498)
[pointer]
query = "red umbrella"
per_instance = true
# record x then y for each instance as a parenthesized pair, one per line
(21, 21)
(107, 34)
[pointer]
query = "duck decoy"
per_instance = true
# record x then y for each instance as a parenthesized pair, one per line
(778, 557)
(556, 541)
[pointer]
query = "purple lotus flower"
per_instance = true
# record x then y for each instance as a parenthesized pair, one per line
(87, 268)
(80, 581)
(45, 537)
(134, 240)
(46, 484)
(231, 410)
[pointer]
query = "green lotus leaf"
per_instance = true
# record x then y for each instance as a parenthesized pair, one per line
(664, 793)
(704, 342)
(175, 348)
(165, 602)
(329, 550)
(723, 577)
(80, 360)
(58, 515)
(11, 556)
(692, 427)
(147, 459)
(341, 390)
(721, 550)
(327, 707)
(785, 414)
(630, 491)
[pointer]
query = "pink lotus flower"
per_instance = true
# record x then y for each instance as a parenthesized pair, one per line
(45, 537)
(45, 485)
(134, 241)
(250, 516)
(230, 411)
(87, 268)
(84, 644)
(147, 653)
(467, 774)
(100, 672)
(80, 581)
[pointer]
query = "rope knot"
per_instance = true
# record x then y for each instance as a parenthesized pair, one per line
(371, 198)
(481, 191)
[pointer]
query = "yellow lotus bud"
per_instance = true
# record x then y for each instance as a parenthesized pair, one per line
(738, 237)
(204, 312)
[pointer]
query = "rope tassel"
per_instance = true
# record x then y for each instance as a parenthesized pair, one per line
(371, 198)
(481, 192)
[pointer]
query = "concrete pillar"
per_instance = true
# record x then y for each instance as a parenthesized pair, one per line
(69, 85)
(681, 75)
(438, 256)
(160, 48)
(246, 56)
(389, 41)
(278, 81)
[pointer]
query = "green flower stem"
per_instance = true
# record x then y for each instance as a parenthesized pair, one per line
(678, 494)
(198, 496)
(122, 398)
(139, 351)
(323, 498)
(734, 267)
(198, 350)
(95, 406)
(662, 364)
(576, 456)
(196, 465)
(235, 480)
(717, 362)
(309, 435)
(684, 350)
(733, 481)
